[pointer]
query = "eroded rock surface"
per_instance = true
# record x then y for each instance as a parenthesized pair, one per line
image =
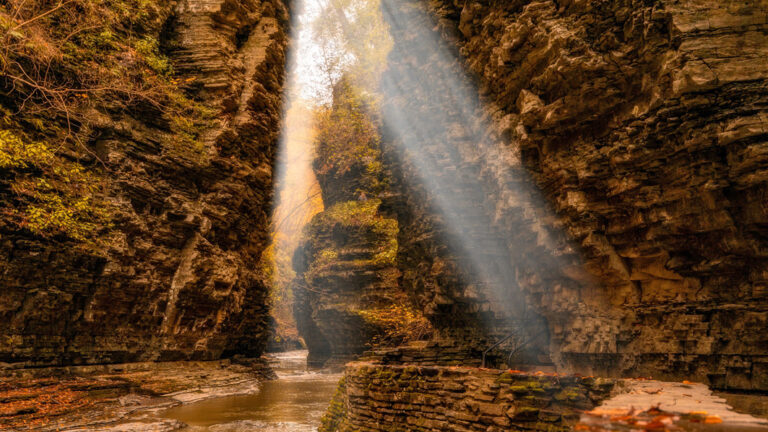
(347, 290)
(643, 126)
(350, 272)
(180, 278)
(375, 397)
(119, 397)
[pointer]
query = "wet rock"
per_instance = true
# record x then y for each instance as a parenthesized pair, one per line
(386, 397)
(119, 397)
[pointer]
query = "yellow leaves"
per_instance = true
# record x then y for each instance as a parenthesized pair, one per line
(55, 212)
(54, 196)
(328, 254)
(347, 134)
(15, 153)
(354, 213)
(357, 215)
(149, 49)
(398, 323)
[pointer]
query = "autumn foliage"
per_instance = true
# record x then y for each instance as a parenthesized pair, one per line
(398, 323)
(68, 69)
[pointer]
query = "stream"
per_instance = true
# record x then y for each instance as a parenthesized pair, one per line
(294, 402)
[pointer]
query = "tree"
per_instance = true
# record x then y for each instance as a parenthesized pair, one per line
(66, 68)
(354, 39)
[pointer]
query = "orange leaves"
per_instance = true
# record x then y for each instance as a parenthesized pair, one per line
(36, 402)
(703, 417)
(653, 419)
(548, 374)
(179, 81)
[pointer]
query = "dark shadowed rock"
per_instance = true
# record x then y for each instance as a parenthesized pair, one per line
(180, 278)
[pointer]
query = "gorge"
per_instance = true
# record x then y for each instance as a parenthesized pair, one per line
(516, 214)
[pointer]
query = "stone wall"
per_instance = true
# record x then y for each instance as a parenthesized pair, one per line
(642, 125)
(179, 279)
(375, 397)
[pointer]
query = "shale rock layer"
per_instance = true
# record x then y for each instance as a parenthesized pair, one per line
(376, 397)
(643, 125)
(180, 278)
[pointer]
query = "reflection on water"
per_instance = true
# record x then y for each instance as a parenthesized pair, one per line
(293, 403)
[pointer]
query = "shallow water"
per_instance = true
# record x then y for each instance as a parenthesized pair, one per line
(292, 403)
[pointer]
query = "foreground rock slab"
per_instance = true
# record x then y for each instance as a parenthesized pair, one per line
(381, 397)
(121, 397)
(376, 397)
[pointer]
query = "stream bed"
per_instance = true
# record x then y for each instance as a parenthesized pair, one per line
(294, 402)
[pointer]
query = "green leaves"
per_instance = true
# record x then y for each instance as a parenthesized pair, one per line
(149, 49)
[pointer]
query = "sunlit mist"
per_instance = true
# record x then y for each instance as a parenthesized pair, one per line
(434, 116)
(297, 191)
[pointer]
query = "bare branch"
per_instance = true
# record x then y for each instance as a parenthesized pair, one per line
(42, 15)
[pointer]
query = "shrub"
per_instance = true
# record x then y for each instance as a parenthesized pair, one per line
(398, 323)
(54, 196)
(66, 68)
(348, 137)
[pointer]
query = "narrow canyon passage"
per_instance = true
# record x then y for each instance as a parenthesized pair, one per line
(383, 215)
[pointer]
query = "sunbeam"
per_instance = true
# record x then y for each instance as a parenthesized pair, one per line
(444, 137)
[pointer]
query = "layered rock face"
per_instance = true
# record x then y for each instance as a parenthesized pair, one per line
(373, 397)
(474, 250)
(642, 124)
(344, 269)
(347, 292)
(180, 279)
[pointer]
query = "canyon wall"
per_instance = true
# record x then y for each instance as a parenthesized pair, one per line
(347, 292)
(345, 271)
(178, 277)
(621, 155)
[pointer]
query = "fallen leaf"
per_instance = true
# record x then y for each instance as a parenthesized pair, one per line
(713, 420)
